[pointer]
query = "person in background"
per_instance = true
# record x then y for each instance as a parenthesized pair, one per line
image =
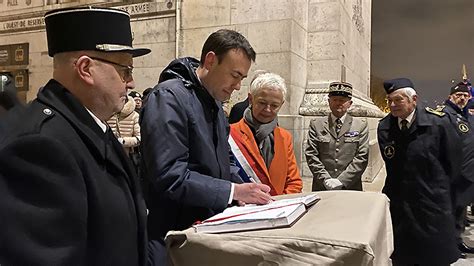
(462, 121)
(338, 145)
(145, 96)
(8, 99)
(137, 97)
(184, 140)
(265, 146)
(237, 111)
(470, 103)
(68, 194)
(421, 153)
(126, 128)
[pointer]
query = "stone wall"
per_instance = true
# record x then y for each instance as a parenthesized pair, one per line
(308, 42)
(277, 29)
(153, 26)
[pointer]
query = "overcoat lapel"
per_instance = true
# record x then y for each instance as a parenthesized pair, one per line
(346, 126)
(253, 150)
(329, 127)
(100, 144)
(251, 146)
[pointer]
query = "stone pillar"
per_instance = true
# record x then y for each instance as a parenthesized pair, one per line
(339, 50)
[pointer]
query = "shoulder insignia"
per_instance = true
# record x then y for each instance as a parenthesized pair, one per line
(435, 111)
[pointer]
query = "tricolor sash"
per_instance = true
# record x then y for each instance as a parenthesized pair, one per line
(246, 172)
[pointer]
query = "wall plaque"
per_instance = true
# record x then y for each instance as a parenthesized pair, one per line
(14, 54)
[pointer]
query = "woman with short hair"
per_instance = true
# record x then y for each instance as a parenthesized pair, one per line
(261, 143)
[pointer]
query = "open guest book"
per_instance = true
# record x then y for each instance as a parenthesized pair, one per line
(278, 213)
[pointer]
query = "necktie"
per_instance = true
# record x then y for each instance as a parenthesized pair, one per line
(404, 123)
(338, 126)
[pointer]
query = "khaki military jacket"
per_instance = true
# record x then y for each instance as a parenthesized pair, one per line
(343, 156)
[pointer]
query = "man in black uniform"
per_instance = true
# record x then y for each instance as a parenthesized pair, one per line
(419, 148)
(461, 119)
(68, 194)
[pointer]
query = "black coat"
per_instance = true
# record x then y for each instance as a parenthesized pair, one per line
(237, 111)
(68, 195)
(463, 123)
(421, 168)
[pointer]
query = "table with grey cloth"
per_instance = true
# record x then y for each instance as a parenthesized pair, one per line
(343, 228)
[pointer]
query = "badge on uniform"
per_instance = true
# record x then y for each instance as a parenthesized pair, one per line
(389, 151)
(351, 134)
(463, 127)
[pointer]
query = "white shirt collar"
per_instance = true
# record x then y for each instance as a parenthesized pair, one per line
(333, 118)
(97, 120)
(409, 118)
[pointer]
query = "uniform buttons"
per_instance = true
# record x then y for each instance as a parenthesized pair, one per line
(337, 140)
(335, 170)
(337, 149)
(47, 111)
(335, 160)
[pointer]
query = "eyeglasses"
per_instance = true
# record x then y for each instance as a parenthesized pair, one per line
(127, 70)
(273, 106)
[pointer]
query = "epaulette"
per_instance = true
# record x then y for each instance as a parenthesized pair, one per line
(436, 111)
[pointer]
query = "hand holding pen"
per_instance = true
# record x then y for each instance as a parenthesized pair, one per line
(252, 193)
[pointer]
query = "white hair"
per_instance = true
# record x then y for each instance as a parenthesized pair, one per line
(268, 80)
(409, 92)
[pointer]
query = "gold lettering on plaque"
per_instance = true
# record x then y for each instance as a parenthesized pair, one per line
(19, 54)
(19, 80)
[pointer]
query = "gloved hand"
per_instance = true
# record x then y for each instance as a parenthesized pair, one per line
(121, 141)
(332, 184)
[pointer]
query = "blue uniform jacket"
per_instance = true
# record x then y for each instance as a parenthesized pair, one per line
(463, 123)
(421, 169)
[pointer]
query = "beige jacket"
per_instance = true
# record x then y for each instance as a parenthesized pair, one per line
(126, 127)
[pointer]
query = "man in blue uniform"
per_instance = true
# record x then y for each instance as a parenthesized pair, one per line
(462, 121)
(419, 148)
(68, 194)
(184, 139)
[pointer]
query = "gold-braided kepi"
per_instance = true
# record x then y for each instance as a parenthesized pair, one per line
(340, 89)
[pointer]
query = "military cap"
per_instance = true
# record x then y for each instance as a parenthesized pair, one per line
(395, 84)
(89, 28)
(460, 87)
(134, 94)
(340, 89)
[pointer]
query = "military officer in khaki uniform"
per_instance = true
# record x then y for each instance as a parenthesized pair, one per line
(338, 146)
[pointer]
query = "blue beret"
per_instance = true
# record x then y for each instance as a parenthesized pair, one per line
(460, 87)
(395, 84)
(89, 28)
(340, 89)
